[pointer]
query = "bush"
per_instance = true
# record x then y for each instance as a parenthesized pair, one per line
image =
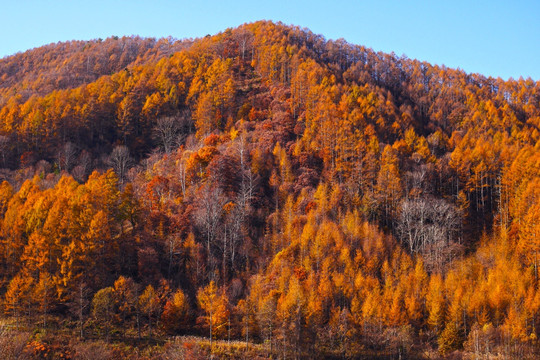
(13, 344)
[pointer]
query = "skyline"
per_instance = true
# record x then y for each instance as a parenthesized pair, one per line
(491, 38)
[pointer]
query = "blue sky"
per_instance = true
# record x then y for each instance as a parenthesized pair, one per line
(495, 38)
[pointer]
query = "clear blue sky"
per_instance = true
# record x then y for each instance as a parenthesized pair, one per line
(495, 38)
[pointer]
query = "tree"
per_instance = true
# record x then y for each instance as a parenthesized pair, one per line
(176, 313)
(149, 304)
(291, 313)
(80, 305)
(428, 226)
(120, 161)
(170, 131)
(125, 299)
(208, 216)
(214, 303)
(435, 303)
(388, 188)
(67, 156)
(244, 38)
(103, 308)
(4, 147)
(529, 237)
(17, 297)
(450, 338)
(6, 193)
(84, 165)
(45, 293)
(266, 316)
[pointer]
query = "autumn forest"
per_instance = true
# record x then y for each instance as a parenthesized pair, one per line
(264, 193)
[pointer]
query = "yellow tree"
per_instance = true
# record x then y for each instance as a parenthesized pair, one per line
(17, 297)
(103, 308)
(435, 303)
(292, 310)
(44, 293)
(529, 235)
(450, 338)
(214, 303)
(388, 188)
(415, 293)
(149, 304)
(37, 256)
(176, 313)
(6, 193)
(266, 315)
(125, 297)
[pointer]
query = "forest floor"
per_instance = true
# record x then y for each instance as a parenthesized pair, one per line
(30, 340)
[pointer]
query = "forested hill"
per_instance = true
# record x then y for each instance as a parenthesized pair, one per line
(270, 185)
(67, 65)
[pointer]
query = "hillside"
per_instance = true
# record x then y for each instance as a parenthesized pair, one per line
(68, 65)
(268, 185)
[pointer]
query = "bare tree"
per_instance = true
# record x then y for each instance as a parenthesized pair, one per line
(81, 171)
(429, 226)
(80, 304)
(411, 223)
(209, 214)
(166, 132)
(244, 38)
(66, 156)
(181, 167)
(120, 161)
(243, 200)
(4, 146)
(416, 182)
(173, 243)
(171, 131)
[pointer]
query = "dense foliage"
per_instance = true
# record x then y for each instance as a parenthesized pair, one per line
(267, 185)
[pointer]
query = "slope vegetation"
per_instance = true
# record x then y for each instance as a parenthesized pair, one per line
(265, 184)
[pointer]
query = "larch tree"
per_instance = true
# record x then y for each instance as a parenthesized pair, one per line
(214, 303)
(103, 309)
(149, 305)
